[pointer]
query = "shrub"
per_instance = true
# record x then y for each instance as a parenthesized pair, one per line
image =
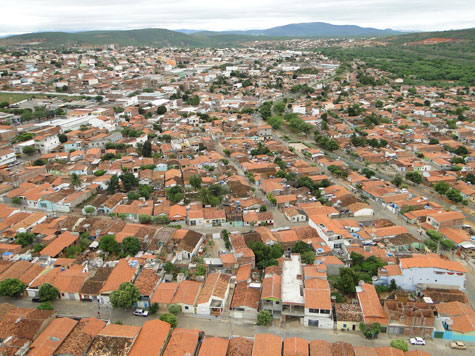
(264, 318)
(400, 344)
(45, 306)
(170, 319)
(153, 308)
(174, 309)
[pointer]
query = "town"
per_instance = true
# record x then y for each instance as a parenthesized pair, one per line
(238, 201)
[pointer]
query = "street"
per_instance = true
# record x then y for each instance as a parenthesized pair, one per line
(227, 327)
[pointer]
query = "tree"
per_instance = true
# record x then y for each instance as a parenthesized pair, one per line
(125, 297)
(174, 309)
(170, 319)
(161, 110)
(48, 292)
(28, 150)
(130, 246)
(108, 243)
(195, 181)
(16, 200)
(62, 138)
(75, 181)
(370, 331)
(169, 267)
(200, 270)
(175, 194)
(145, 219)
(113, 184)
(129, 181)
(346, 281)
(300, 247)
(24, 238)
(308, 257)
(12, 287)
(266, 255)
(415, 177)
(397, 181)
(399, 344)
(161, 219)
(461, 151)
(264, 318)
(454, 195)
(442, 187)
(145, 190)
(153, 309)
(147, 149)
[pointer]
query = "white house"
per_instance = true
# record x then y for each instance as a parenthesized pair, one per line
(213, 295)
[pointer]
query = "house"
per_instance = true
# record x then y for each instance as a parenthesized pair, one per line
(245, 302)
(295, 346)
(446, 219)
(409, 318)
(81, 338)
(152, 339)
(348, 316)
(183, 342)
(52, 337)
(370, 305)
(124, 271)
(114, 340)
(146, 282)
(186, 296)
(318, 306)
(267, 345)
(271, 295)
(215, 346)
(186, 243)
(293, 298)
(457, 320)
(213, 295)
(60, 244)
(163, 295)
(294, 215)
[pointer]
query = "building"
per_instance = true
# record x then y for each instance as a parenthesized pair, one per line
(213, 295)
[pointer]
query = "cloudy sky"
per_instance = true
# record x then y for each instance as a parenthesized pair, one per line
(22, 16)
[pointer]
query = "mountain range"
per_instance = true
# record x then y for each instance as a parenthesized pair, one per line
(190, 38)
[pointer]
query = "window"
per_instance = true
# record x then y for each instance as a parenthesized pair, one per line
(186, 308)
(314, 311)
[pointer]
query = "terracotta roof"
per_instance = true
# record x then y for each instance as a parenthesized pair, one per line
(267, 345)
(122, 272)
(64, 240)
(271, 287)
(240, 346)
(454, 308)
(116, 330)
(243, 273)
(216, 285)
(77, 343)
(164, 293)
(431, 261)
(320, 348)
(215, 346)
(187, 293)
(182, 342)
(152, 338)
(245, 296)
(146, 282)
(370, 305)
(295, 346)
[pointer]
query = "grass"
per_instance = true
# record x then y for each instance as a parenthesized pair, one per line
(14, 98)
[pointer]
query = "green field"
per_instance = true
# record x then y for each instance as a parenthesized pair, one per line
(14, 98)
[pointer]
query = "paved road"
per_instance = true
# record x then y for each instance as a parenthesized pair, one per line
(230, 327)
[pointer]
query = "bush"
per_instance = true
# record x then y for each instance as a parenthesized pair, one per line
(153, 308)
(145, 219)
(400, 344)
(170, 319)
(370, 331)
(174, 309)
(200, 270)
(45, 306)
(264, 318)
(12, 287)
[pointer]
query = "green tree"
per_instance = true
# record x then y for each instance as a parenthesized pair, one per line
(346, 281)
(38, 247)
(454, 195)
(442, 187)
(28, 150)
(161, 110)
(45, 306)
(113, 184)
(370, 331)
(175, 194)
(169, 267)
(414, 177)
(16, 200)
(160, 219)
(195, 181)
(108, 243)
(145, 219)
(24, 238)
(399, 344)
(147, 149)
(397, 181)
(75, 180)
(12, 287)
(174, 309)
(308, 257)
(129, 181)
(170, 319)
(62, 138)
(125, 297)
(130, 246)
(264, 318)
(48, 292)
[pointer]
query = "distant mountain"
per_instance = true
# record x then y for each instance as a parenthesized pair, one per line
(188, 38)
(316, 29)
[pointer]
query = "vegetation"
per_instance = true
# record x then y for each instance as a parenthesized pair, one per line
(174, 309)
(170, 319)
(370, 331)
(264, 318)
(153, 308)
(400, 344)
(48, 292)
(12, 287)
(125, 297)
(45, 306)
(266, 255)
(24, 238)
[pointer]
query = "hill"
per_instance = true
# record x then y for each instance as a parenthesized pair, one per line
(318, 29)
(435, 58)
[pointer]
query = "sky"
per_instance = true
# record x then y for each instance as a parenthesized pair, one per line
(23, 16)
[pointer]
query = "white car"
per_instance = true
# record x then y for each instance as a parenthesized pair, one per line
(417, 341)
(140, 312)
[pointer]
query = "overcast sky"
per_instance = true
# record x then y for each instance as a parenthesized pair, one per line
(22, 16)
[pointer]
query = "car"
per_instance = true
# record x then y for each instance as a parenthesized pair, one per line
(140, 312)
(417, 341)
(458, 345)
(36, 300)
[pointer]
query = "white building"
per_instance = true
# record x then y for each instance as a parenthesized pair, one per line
(424, 270)
(213, 295)
(7, 157)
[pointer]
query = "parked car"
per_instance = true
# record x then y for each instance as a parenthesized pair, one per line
(36, 300)
(458, 345)
(417, 341)
(140, 312)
